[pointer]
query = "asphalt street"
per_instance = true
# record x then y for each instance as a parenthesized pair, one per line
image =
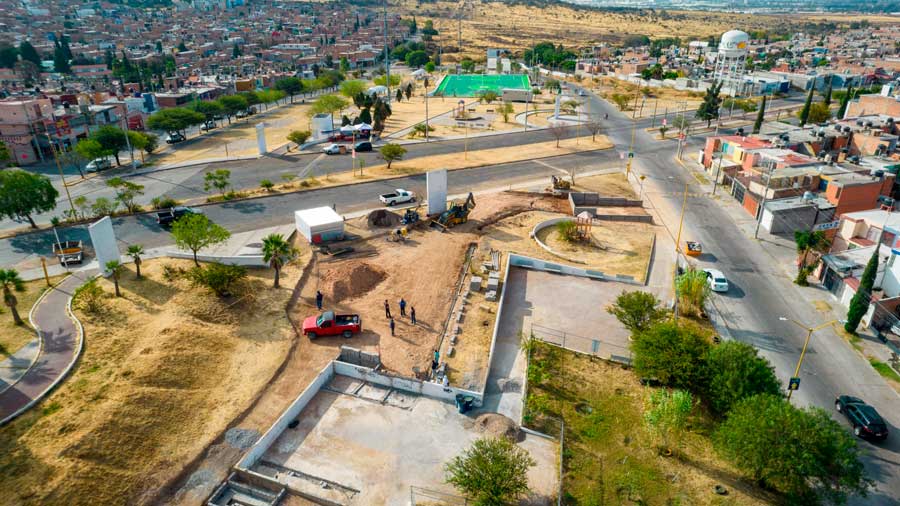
(759, 295)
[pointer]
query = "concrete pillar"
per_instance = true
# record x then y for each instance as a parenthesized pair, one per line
(436, 183)
(261, 138)
(556, 108)
(103, 238)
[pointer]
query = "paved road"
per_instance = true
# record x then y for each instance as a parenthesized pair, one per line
(58, 353)
(760, 293)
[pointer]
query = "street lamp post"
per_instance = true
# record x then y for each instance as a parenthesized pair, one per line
(795, 380)
(718, 168)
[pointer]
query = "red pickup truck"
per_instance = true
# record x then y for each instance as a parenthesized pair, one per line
(330, 324)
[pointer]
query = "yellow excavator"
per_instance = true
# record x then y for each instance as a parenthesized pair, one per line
(456, 214)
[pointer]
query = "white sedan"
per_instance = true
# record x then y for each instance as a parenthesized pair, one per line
(716, 280)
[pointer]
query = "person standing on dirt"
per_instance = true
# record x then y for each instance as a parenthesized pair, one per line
(412, 314)
(319, 298)
(434, 361)
(387, 310)
(402, 307)
(392, 326)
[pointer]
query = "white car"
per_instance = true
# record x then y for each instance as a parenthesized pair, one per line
(97, 165)
(397, 197)
(334, 149)
(716, 280)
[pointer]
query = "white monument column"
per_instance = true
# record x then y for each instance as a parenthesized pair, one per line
(436, 183)
(261, 138)
(103, 238)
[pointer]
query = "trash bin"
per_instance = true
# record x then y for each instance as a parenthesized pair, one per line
(464, 403)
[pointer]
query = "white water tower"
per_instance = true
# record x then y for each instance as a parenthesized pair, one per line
(731, 61)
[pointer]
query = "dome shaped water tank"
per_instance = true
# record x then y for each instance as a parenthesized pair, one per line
(734, 41)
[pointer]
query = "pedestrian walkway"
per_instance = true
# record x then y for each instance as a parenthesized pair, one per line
(61, 341)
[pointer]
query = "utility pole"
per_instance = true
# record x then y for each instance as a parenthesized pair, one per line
(795, 381)
(762, 205)
(62, 176)
(677, 252)
(718, 168)
(387, 58)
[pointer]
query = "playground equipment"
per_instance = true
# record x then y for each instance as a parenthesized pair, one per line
(456, 214)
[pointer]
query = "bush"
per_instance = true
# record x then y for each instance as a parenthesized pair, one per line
(89, 297)
(218, 278)
(493, 471)
(668, 414)
(568, 231)
(804, 454)
(735, 371)
(267, 185)
(693, 290)
(163, 202)
(676, 356)
(637, 310)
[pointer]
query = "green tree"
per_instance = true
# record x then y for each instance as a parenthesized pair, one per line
(112, 139)
(115, 268)
(505, 109)
(277, 252)
(803, 113)
(736, 372)
(209, 108)
(844, 101)
(399, 95)
(137, 140)
(467, 65)
(135, 251)
(29, 53)
(126, 193)
(416, 59)
(429, 67)
(151, 142)
(195, 231)
(620, 100)
(24, 193)
(220, 179)
(90, 149)
(488, 97)
(804, 454)
(352, 88)
(176, 119)
(11, 281)
(637, 310)
(807, 242)
(692, 290)
(217, 277)
(236, 51)
(299, 137)
(668, 414)
(662, 131)
(674, 355)
(818, 113)
(232, 104)
(408, 90)
(289, 85)
(859, 304)
(828, 88)
(493, 472)
(345, 64)
(103, 206)
(709, 108)
(9, 55)
(327, 104)
(391, 152)
(760, 116)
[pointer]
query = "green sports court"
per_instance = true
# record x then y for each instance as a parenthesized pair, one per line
(472, 85)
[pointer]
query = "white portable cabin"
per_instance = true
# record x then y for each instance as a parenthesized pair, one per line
(319, 224)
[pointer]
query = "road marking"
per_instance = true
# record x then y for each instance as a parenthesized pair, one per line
(545, 164)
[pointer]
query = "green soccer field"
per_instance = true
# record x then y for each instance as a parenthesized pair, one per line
(471, 85)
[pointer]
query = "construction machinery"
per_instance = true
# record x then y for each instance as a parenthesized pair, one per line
(398, 235)
(456, 214)
(558, 184)
(410, 217)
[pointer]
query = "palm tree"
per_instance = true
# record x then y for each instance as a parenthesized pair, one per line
(10, 280)
(115, 267)
(277, 252)
(135, 251)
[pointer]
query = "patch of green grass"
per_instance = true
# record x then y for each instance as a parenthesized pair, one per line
(885, 370)
(51, 408)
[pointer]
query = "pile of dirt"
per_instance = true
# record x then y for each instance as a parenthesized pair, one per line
(497, 425)
(351, 280)
(382, 218)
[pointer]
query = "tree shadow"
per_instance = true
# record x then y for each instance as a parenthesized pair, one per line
(731, 480)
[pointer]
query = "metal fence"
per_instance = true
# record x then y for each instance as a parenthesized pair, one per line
(581, 344)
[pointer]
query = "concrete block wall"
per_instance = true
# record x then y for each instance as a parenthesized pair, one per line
(518, 260)
(411, 385)
(500, 300)
(293, 411)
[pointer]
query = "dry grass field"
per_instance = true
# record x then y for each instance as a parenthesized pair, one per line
(165, 369)
(497, 24)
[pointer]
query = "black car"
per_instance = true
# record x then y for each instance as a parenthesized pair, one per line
(866, 422)
(363, 146)
(165, 217)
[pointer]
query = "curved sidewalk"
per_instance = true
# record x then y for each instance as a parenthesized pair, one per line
(62, 339)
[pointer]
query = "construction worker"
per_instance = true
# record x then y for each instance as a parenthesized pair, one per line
(412, 314)
(434, 361)
(387, 309)
(392, 326)
(319, 298)
(402, 307)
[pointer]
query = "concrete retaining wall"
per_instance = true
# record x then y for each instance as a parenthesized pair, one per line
(590, 199)
(500, 301)
(292, 412)
(549, 223)
(631, 218)
(415, 386)
(542, 265)
(244, 260)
